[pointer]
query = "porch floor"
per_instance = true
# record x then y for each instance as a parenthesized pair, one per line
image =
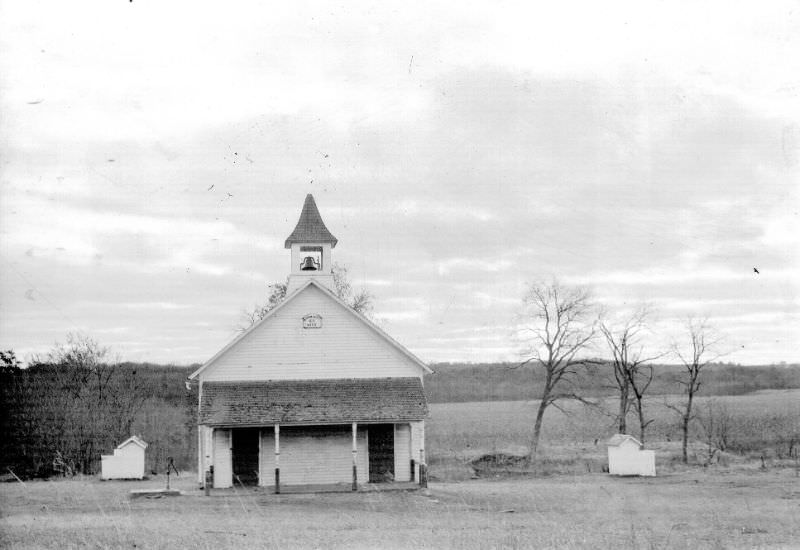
(326, 488)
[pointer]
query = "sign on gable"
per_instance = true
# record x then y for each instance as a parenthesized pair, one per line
(312, 321)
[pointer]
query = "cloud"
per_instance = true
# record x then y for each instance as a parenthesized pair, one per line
(404, 315)
(445, 267)
(455, 154)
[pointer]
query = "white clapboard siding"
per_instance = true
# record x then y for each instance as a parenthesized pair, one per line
(627, 459)
(223, 467)
(402, 452)
(126, 463)
(309, 456)
(281, 349)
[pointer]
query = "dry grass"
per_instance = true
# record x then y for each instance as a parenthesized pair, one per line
(763, 423)
(693, 509)
(738, 506)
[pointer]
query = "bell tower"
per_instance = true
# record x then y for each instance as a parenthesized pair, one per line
(311, 245)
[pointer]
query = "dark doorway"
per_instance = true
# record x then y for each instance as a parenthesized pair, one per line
(245, 456)
(381, 452)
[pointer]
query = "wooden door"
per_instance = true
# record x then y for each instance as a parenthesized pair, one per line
(245, 456)
(381, 452)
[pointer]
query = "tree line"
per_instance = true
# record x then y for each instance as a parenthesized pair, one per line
(73, 404)
(454, 382)
(77, 402)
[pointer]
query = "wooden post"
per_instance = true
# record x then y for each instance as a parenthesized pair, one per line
(208, 482)
(423, 470)
(355, 456)
(412, 469)
(277, 459)
(260, 450)
(200, 453)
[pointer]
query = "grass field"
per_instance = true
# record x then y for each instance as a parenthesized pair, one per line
(563, 502)
(687, 510)
(765, 423)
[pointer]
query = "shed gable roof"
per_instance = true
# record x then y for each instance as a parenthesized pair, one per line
(617, 440)
(310, 228)
(133, 440)
(312, 401)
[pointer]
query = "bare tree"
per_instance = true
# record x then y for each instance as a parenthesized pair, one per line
(360, 301)
(277, 293)
(632, 375)
(700, 351)
(717, 424)
(560, 322)
(92, 401)
(83, 376)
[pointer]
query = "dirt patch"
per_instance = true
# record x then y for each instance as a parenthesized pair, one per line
(498, 463)
(497, 460)
(511, 465)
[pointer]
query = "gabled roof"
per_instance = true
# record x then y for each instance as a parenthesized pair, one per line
(331, 401)
(618, 439)
(394, 343)
(310, 228)
(133, 439)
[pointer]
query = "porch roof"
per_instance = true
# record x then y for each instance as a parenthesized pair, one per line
(312, 401)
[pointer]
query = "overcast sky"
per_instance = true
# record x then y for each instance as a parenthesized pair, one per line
(154, 155)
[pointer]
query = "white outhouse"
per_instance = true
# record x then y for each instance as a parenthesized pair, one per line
(626, 457)
(314, 393)
(127, 462)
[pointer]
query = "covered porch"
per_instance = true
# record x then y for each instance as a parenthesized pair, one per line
(380, 440)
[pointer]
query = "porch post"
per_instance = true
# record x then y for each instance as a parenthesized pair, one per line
(423, 470)
(200, 468)
(277, 459)
(355, 456)
(260, 450)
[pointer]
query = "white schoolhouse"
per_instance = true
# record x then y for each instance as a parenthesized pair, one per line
(314, 393)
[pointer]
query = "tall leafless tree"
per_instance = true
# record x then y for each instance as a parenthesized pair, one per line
(632, 374)
(92, 401)
(558, 324)
(695, 355)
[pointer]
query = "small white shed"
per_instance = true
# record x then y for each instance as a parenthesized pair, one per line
(127, 462)
(626, 457)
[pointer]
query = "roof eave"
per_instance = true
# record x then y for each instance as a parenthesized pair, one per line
(331, 241)
(307, 423)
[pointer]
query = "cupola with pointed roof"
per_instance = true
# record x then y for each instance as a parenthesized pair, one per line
(310, 228)
(311, 245)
